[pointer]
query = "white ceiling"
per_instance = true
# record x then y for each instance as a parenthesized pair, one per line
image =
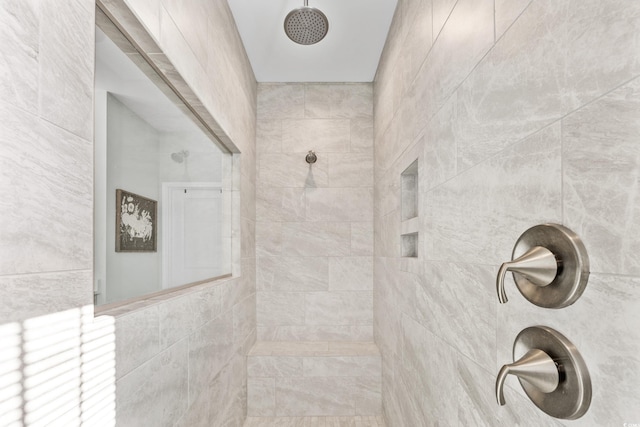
(349, 53)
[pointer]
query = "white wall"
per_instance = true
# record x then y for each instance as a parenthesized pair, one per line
(132, 165)
(519, 113)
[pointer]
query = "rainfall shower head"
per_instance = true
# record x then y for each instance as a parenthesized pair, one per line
(306, 25)
(179, 156)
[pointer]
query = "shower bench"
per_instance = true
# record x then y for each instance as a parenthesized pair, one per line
(318, 378)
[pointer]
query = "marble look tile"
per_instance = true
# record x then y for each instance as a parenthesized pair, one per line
(387, 240)
(478, 216)
(192, 23)
(441, 11)
(601, 169)
(268, 239)
(198, 414)
(341, 366)
(319, 135)
(280, 204)
(361, 238)
(457, 303)
(244, 320)
(19, 67)
(361, 135)
(248, 238)
(293, 274)
(289, 348)
(355, 204)
(314, 396)
(351, 274)
(420, 35)
(66, 66)
(137, 339)
(269, 136)
(291, 170)
(338, 308)
(155, 393)
(210, 348)
(354, 348)
(454, 55)
(274, 366)
(507, 11)
(148, 11)
(228, 394)
(548, 64)
(610, 348)
(280, 308)
(26, 296)
(280, 101)
(346, 333)
(338, 100)
(261, 397)
(368, 394)
(318, 239)
(235, 290)
(421, 352)
(179, 317)
(34, 168)
(440, 155)
(351, 170)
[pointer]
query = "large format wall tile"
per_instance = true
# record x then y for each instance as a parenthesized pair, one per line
(66, 66)
(31, 295)
(315, 396)
(477, 216)
(320, 135)
(339, 204)
(316, 239)
(156, 393)
(548, 64)
(137, 339)
(338, 308)
(338, 101)
(280, 308)
(20, 28)
(293, 274)
(38, 180)
(522, 113)
(601, 169)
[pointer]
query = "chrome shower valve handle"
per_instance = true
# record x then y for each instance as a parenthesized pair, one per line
(538, 265)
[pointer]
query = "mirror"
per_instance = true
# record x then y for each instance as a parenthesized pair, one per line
(162, 182)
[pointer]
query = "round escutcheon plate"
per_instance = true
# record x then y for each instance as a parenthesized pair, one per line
(571, 399)
(573, 265)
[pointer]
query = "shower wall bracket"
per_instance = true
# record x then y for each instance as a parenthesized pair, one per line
(551, 372)
(550, 267)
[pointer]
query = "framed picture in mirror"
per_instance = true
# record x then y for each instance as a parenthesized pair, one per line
(136, 223)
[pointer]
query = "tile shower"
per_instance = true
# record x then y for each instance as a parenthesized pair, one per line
(519, 112)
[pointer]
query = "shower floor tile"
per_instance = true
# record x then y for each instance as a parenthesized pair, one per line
(361, 421)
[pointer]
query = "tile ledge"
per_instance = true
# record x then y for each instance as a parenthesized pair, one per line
(314, 348)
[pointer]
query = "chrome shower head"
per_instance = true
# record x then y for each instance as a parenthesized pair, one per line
(306, 25)
(179, 156)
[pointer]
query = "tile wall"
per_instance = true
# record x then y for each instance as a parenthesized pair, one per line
(179, 360)
(314, 234)
(519, 113)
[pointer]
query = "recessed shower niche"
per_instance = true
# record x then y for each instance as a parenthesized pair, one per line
(409, 211)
